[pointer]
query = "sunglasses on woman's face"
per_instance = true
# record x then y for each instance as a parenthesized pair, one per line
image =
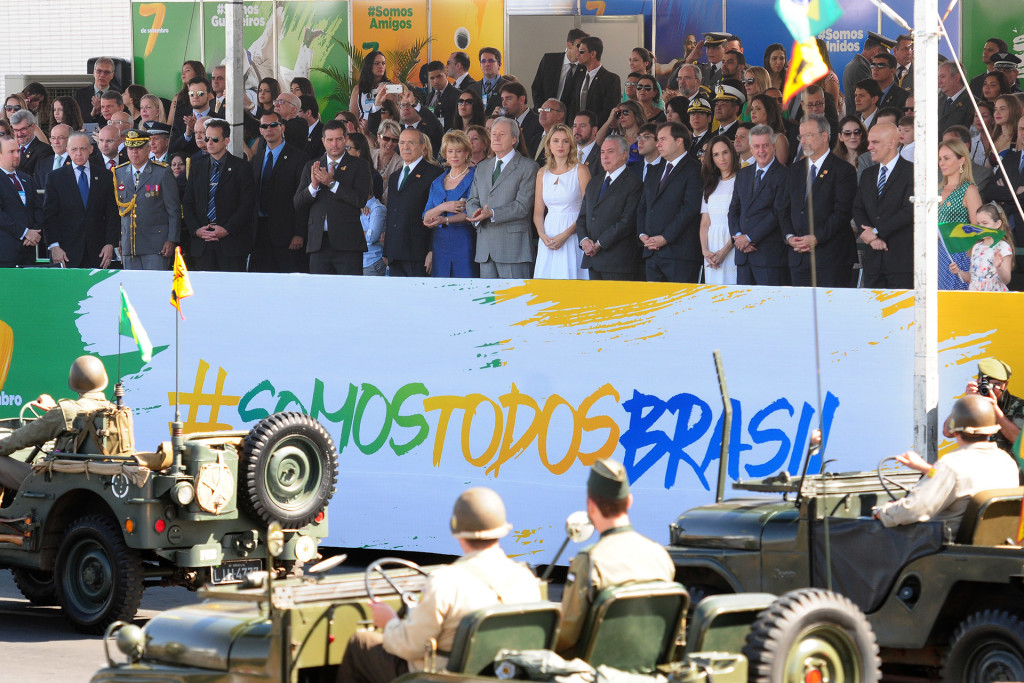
(466, 102)
(849, 133)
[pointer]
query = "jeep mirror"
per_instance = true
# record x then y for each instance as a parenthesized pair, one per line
(578, 527)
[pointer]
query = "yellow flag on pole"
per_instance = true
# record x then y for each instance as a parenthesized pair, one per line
(805, 68)
(180, 287)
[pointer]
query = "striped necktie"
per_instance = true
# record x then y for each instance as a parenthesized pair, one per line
(211, 206)
(881, 179)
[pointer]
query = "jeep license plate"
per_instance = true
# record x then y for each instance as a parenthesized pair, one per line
(235, 572)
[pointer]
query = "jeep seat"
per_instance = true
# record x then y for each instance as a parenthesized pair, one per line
(481, 634)
(633, 627)
(991, 517)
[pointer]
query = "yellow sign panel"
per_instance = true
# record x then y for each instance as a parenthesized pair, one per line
(467, 26)
(389, 25)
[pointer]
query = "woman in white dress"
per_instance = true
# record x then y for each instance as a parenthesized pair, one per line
(719, 171)
(560, 187)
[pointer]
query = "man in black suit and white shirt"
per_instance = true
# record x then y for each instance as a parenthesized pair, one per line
(412, 114)
(408, 239)
(80, 220)
(309, 111)
(200, 95)
(59, 144)
(884, 214)
(280, 228)
(20, 210)
(668, 216)
(32, 151)
(607, 220)
(88, 98)
(457, 69)
(594, 87)
(513, 100)
(218, 204)
(489, 87)
(442, 96)
(334, 189)
(584, 131)
(955, 107)
(556, 69)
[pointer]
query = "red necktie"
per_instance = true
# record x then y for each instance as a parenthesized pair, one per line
(17, 183)
(110, 164)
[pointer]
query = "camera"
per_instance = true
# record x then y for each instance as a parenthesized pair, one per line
(984, 386)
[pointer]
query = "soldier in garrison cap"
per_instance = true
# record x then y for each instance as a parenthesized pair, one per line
(943, 492)
(620, 556)
(88, 379)
(147, 200)
(482, 577)
(992, 383)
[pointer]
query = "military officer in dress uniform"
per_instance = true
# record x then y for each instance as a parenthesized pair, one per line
(88, 379)
(482, 577)
(714, 46)
(620, 556)
(147, 199)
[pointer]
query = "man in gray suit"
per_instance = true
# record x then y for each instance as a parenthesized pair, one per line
(501, 206)
(147, 199)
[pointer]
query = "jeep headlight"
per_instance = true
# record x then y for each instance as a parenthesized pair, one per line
(183, 493)
(305, 548)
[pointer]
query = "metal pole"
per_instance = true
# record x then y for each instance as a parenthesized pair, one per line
(926, 218)
(234, 46)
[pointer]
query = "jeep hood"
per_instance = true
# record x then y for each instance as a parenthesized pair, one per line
(733, 524)
(204, 635)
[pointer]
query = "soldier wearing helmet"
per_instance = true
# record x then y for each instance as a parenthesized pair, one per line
(88, 379)
(482, 577)
(945, 489)
(620, 556)
(992, 381)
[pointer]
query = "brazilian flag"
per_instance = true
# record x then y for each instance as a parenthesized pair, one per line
(961, 237)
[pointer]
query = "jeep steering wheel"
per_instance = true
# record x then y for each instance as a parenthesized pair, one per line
(408, 599)
(884, 479)
(32, 408)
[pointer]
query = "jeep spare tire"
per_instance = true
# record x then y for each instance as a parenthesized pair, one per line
(289, 469)
(812, 634)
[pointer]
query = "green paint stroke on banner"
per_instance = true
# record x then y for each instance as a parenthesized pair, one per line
(46, 339)
(164, 36)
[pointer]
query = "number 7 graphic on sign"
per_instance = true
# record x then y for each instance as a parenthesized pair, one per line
(158, 11)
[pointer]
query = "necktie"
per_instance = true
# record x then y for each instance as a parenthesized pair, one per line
(1020, 168)
(22, 150)
(211, 206)
(137, 174)
(900, 73)
(83, 185)
(711, 74)
(110, 164)
(881, 179)
(647, 169)
(584, 92)
(947, 105)
(810, 177)
(497, 172)
(58, 161)
(405, 176)
(664, 178)
(604, 186)
(17, 183)
(757, 178)
(268, 168)
(331, 166)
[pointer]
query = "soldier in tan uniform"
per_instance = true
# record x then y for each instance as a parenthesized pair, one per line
(484, 576)
(88, 378)
(620, 556)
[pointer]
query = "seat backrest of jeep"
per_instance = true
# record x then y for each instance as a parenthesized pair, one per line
(633, 627)
(991, 517)
(529, 626)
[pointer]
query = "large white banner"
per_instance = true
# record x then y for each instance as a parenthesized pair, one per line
(430, 386)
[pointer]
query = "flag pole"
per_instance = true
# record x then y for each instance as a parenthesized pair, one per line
(118, 386)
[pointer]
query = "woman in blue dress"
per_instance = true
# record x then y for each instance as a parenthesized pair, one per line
(454, 239)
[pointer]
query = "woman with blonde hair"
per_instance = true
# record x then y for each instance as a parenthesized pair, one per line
(385, 157)
(959, 203)
(755, 82)
(453, 243)
(558, 198)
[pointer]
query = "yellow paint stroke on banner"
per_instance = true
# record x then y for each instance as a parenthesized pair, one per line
(601, 306)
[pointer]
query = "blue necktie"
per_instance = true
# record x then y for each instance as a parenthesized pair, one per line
(268, 168)
(211, 207)
(604, 186)
(664, 178)
(881, 179)
(83, 185)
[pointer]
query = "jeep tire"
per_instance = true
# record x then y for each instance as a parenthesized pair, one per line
(986, 646)
(99, 578)
(809, 630)
(36, 585)
(288, 470)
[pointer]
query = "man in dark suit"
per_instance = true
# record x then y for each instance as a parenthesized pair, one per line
(59, 144)
(759, 215)
(834, 182)
(594, 87)
(998, 191)
(955, 107)
(556, 69)
(218, 205)
(904, 54)
(647, 146)
(607, 220)
(884, 214)
(412, 114)
(280, 228)
(883, 70)
(859, 67)
(295, 128)
(88, 98)
(489, 87)
(309, 110)
(108, 139)
(200, 94)
(584, 131)
(457, 69)
(32, 150)
(513, 100)
(408, 239)
(80, 220)
(20, 210)
(333, 191)
(814, 101)
(668, 215)
(442, 97)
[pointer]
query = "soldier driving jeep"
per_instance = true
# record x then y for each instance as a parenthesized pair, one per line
(88, 379)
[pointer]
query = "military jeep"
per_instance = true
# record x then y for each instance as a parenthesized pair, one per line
(89, 532)
(296, 630)
(938, 601)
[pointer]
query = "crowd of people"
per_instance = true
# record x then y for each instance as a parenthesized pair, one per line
(690, 171)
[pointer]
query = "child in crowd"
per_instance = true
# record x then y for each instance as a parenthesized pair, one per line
(991, 265)
(905, 130)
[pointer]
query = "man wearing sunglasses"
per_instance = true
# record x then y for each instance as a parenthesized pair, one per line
(200, 93)
(557, 68)
(883, 70)
(280, 228)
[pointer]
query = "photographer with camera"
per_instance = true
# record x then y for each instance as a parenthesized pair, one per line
(991, 382)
